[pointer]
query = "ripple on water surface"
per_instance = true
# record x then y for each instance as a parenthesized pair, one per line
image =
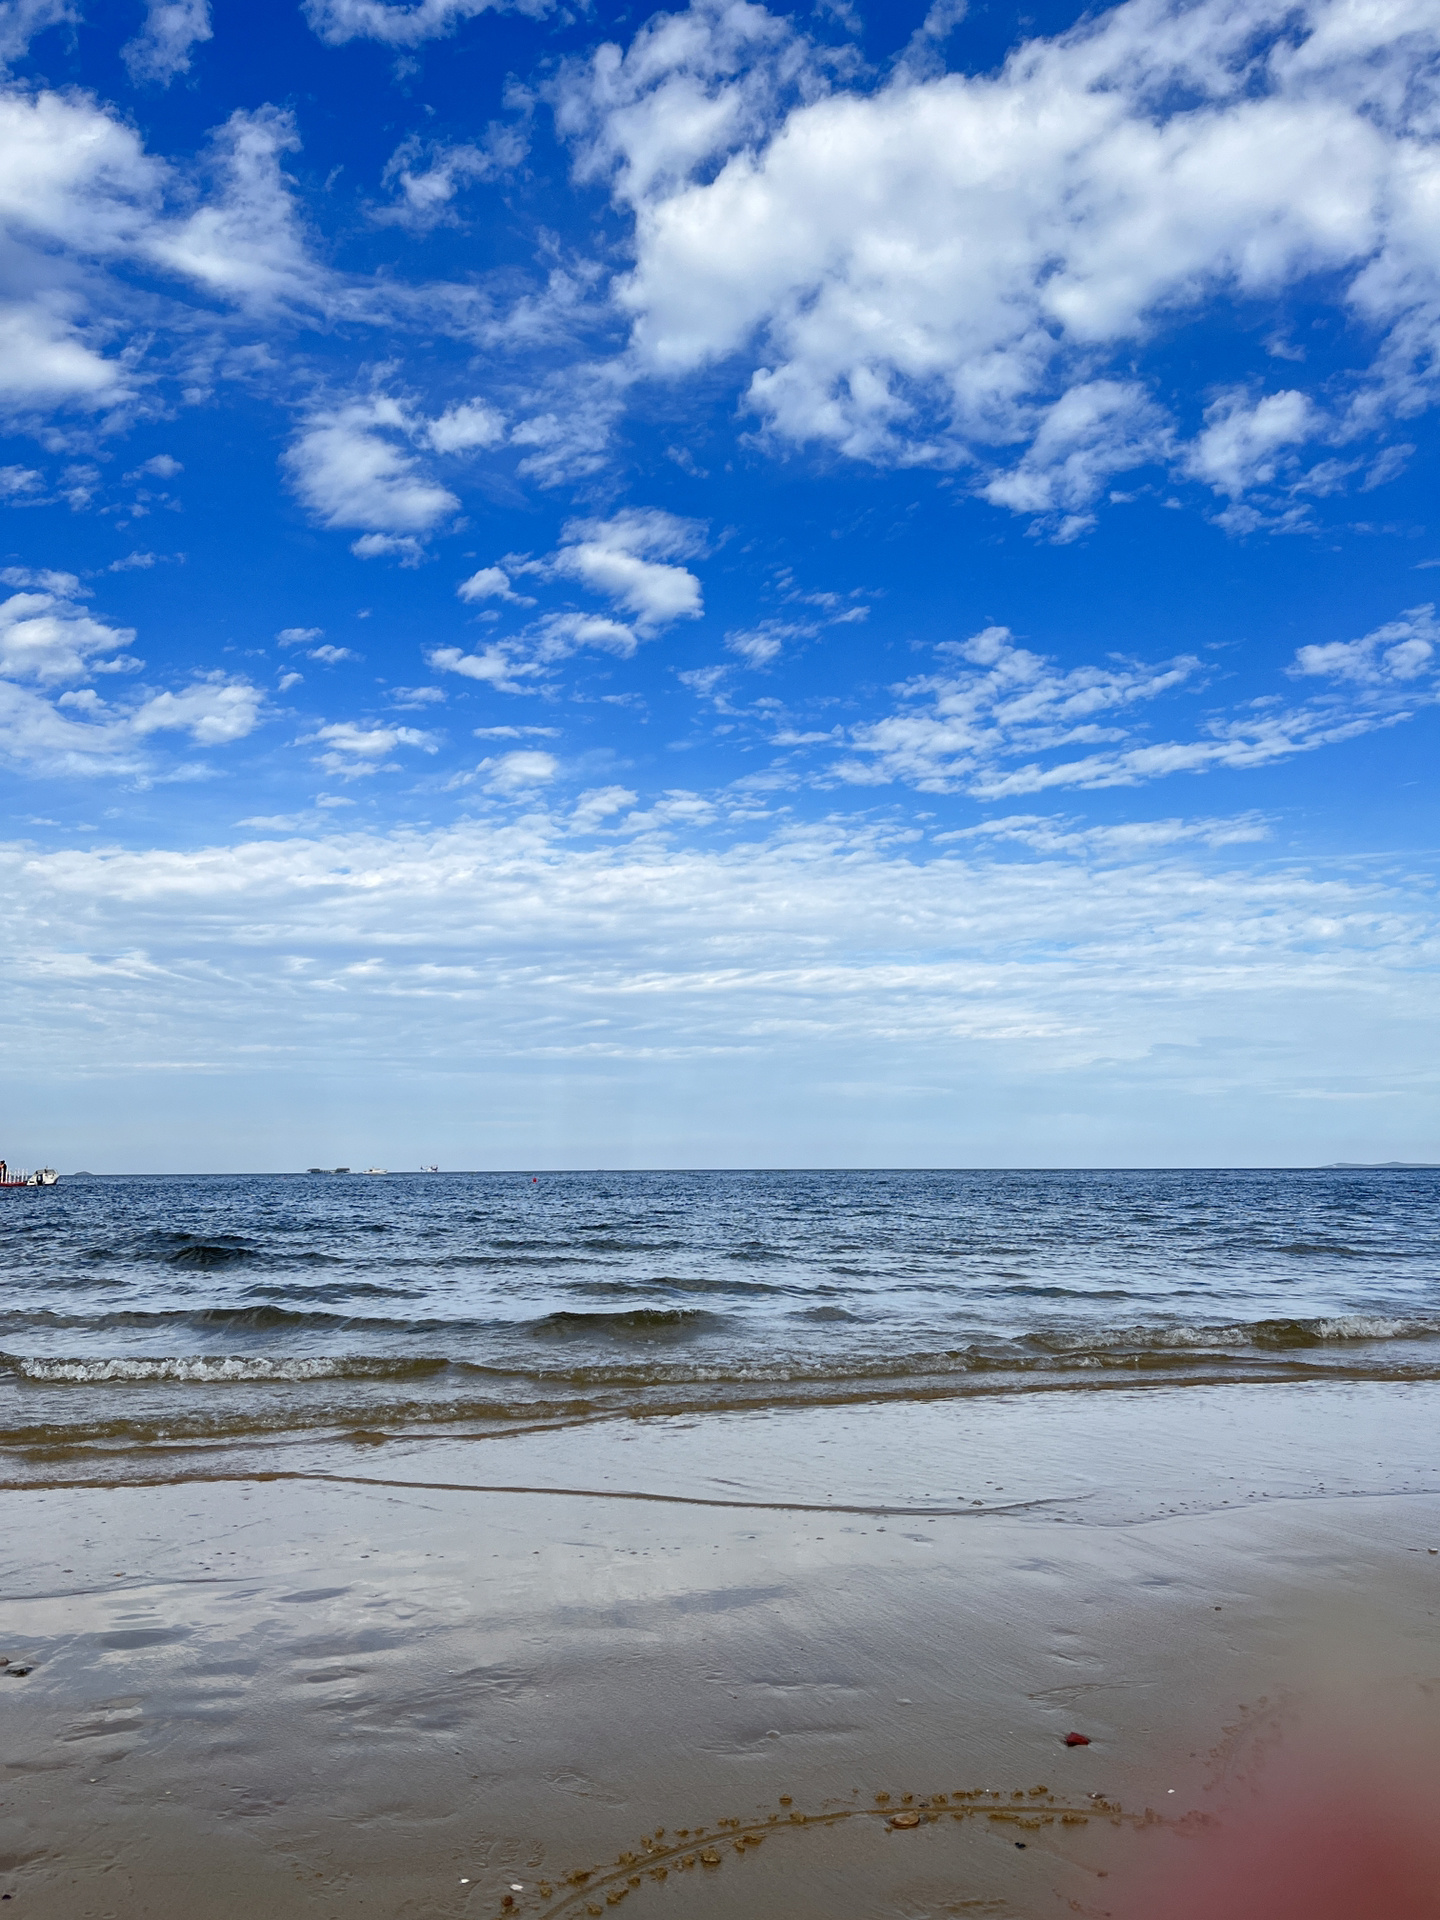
(472, 1301)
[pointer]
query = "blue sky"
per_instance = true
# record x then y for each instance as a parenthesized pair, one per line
(735, 587)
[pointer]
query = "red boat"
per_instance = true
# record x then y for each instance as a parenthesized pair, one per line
(41, 1177)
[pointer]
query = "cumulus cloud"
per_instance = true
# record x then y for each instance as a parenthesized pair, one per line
(397, 24)
(1399, 652)
(520, 771)
(466, 426)
(495, 666)
(48, 641)
(403, 547)
(353, 749)
(352, 467)
(82, 734)
(247, 241)
(1245, 440)
(599, 805)
(214, 710)
(1096, 429)
(630, 560)
(82, 204)
(358, 463)
(75, 185)
(46, 635)
(162, 47)
(951, 265)
(491, 583)
(509, 664)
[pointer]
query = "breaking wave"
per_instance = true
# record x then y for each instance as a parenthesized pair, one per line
(214, 1369)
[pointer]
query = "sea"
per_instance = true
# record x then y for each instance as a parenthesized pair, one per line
(167, 1318)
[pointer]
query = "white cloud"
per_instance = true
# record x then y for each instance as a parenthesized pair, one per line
(761, 644)
(402, 546)
(75, 185)
(495, 666)
(599, 805)
(491, 583)
(299, 636)
(247, 242)
(520, 771)
(353, 749)
(17, 482)
(704, 681)
(162, 47)
(331, 656)
(691, 85)
(569, 429)
(462, 428)
(21, 20)
(214, 710)
(43, 359)
(397, 24)
(1244, 442)
(963, 732)
(557, 635)
(82, 204)
(426, 177)
(951, 265)
(1096, 429)
(1131, 840)
(352, 468)
(629, 559)
(739, 983)
(1397, 653)
(1005, 700)
(82, 734)
(47, 636)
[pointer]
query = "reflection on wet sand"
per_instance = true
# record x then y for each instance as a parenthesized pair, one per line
(314, 1698)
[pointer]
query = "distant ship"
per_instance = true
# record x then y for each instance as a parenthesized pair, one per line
(429, 1169)
(41, 1177)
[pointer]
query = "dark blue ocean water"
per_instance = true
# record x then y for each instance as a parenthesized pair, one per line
(153, 1314)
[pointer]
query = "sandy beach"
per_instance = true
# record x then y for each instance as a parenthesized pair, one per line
(760, 1638)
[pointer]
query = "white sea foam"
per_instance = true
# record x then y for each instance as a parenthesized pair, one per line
(207, 1370)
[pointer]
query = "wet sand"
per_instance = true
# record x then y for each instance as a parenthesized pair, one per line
(364, 1694)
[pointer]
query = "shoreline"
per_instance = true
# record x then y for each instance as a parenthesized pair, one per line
(404, 1699)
